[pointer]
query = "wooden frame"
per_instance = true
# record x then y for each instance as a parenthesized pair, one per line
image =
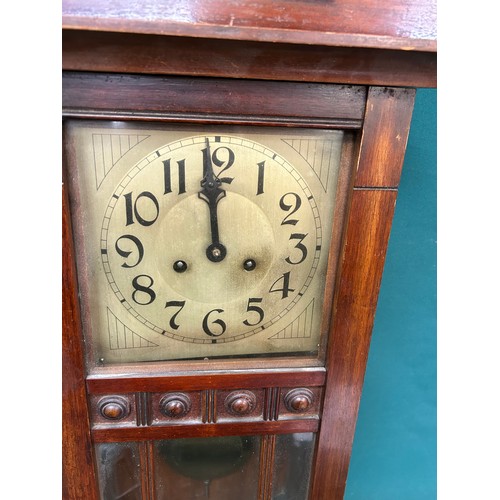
(79, 478)
(382, 118)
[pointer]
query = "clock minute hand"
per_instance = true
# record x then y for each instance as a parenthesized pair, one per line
(212, 193)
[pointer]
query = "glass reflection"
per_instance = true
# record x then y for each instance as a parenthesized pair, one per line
(292, 466)
(118, 469)
(218, 468)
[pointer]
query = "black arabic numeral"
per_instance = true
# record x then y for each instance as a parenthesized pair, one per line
(219, 160)
(146, 289)
(285, 290)
(206, 326)
(175, 303)
(293, 207)
(132, 209)
(124, 253)
(167, 175)
(256, 309)
(299, 246)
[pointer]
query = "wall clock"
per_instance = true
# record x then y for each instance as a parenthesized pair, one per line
(224, 234)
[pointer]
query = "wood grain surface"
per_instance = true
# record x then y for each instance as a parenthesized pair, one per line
(107, 52)
(203, 430)
(357, 293)
(387, 24)
(79, 480)
(212, 100)
(198, 381)
(386, 127)
(381, 152)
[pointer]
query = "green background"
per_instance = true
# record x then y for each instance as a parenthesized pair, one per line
(394, 451)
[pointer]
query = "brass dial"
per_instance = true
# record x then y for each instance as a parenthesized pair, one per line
(210, 242)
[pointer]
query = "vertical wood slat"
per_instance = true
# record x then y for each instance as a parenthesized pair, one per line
(79, 479)
(266, 466)
(385, 133)
(146, 460)
(367, 237)
(365, 243)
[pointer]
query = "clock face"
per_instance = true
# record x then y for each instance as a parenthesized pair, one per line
(203, 242)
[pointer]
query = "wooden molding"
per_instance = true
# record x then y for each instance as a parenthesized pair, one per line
(79, 479)
(357, 292)
(389, 24)
(173, 55)
(210, 100)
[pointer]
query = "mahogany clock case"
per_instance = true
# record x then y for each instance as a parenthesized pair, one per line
(375, 122)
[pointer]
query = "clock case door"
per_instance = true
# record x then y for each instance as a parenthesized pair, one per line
(297, 395)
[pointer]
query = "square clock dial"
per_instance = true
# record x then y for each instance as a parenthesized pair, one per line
(201, 242)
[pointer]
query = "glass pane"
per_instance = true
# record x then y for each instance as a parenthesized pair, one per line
(218, 468)
(292, 467)
(119, 471)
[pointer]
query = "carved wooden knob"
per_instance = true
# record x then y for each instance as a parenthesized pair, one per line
(299, 400)
(114, 407)
(240, 402)
(175, 405)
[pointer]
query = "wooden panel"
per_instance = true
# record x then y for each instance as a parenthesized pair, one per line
(366, 241)
(197, 407)
(204, 430)
(155, 54)
(155, 97)
(385, 133)
(398, 24)
(200, 381)
(77, 453)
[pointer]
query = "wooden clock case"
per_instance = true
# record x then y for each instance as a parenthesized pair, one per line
(236, 63)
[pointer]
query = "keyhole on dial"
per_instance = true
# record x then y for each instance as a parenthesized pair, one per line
(249, 265)
(179, 266)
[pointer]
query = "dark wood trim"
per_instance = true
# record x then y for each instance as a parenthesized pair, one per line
(102, 435)
(171, 55)
(395, 24)
(79, 479)
(210, 100)
(201, 381)
(387, 118)
(156, 369)
(146, 469)
(266, 469)
(350, 147)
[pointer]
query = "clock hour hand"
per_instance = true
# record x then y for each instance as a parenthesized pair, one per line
(212, 193)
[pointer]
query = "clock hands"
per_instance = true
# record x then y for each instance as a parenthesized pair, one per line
(212, 193)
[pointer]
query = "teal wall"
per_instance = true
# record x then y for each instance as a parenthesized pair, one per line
(394, 452)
